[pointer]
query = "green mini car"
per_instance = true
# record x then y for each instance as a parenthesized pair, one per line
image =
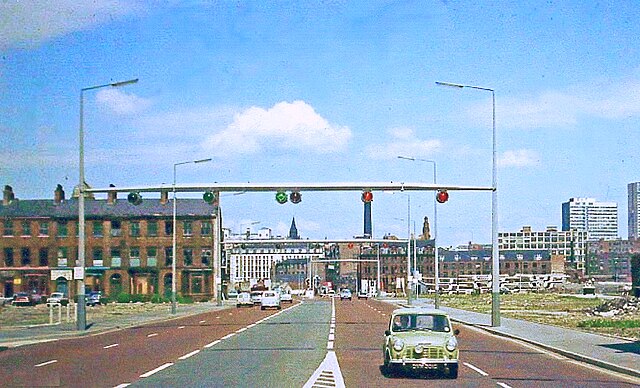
(421, 338)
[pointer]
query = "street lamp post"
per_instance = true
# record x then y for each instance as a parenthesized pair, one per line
(435, 231)
(495, 290)
(174, 249)
(81, 313)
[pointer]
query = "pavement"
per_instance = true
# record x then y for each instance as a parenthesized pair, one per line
(608, 352)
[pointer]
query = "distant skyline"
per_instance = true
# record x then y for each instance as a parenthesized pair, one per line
(329, 91)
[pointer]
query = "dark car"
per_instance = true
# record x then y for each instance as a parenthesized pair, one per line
(94, 298)
(22, 299)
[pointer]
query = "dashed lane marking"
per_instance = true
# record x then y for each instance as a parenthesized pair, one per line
(158, 369)
(475, 368)
(46, 363)
(152, 335)
(503, 385)
(110, 346)
(214, 343)
(189, 355)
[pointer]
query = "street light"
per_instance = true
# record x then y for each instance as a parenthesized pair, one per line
(174, 253)
(81, 313)
(495, 291)
(435, 230)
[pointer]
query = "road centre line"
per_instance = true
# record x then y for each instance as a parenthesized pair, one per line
(158, 369)
(152, 335)
(122, 385)
(228, 336)
(180, 327)
(241, 330)
(503, 385)
(476, 369)
(46, 363)
(110, 346)
(189, 355)
(214, 343)
(203, 321)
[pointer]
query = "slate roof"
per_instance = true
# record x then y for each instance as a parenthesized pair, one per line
(99, 208)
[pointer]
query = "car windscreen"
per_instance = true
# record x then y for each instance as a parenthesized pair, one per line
(424, 322)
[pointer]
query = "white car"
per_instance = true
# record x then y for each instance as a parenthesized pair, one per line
(286, 297)
(270, 299)
(256, 297)
(244, 299)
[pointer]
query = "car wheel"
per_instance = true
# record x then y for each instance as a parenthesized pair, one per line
(279, 307)
(453, 371)
(261, 307)
(388, 367)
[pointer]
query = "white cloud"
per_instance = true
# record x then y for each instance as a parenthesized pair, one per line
(403, 142)
(518, 158)
(121, 102)
(286, 126)
(28, 23)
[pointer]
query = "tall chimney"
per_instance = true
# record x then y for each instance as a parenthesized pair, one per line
(7, 195)
(58, 194)
(112, 196)
(164, 197)
(367, 220)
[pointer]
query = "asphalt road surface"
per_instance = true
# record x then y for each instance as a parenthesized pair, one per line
(315, 342)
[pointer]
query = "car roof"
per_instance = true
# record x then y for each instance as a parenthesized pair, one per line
(418, 310)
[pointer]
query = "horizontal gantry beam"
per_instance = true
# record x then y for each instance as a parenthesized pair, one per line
(289, 186)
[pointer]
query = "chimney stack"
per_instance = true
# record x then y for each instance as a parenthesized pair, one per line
(368, 230)
(164, 197)
(58, 194)
(7, 195)
(112, 196)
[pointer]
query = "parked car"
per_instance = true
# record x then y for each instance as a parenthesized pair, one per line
(232, 293)
(94, 298)
(244, 299)
(345, 294)
(286, 297)
(270, 299)
(256, 297)
(421, 338)
(363, 295)
(22, 299)
(57, 298)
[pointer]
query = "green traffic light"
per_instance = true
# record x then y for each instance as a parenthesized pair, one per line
(281, 197)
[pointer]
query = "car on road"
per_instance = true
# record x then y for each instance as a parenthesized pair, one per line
(94, 298)
(22, 299)
(345, 294)
(57, 298)
(363, 295)
(286, 297)
(232, 293)
(270, 299)
(421, 338)
(244, 299)
(256, 296)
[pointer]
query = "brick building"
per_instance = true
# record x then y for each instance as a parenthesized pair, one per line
(128, 247)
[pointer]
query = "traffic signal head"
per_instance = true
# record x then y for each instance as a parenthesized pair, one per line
(442, 196)
(281, 197)
(295, 197)
(210, 197)
(367, 196)
(134, 198)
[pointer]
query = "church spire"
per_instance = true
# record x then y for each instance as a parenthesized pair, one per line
(293, 231)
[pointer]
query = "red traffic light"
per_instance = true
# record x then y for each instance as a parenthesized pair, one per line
(442, 196)
(367, 196)
(295, 197)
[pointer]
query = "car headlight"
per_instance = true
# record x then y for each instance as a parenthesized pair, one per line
(398, 345)
(418, 349)
(452, 344)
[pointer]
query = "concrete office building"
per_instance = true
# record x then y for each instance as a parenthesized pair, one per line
(634, 210)
(598, 219)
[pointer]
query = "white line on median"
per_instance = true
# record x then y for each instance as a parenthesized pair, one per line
(214, 343)
(189, 355)
(476, 369)
(152, 335)
(228, 336)
(110, 346)
(241, 330)
(503, 385)
(47, 363)
(158, 369)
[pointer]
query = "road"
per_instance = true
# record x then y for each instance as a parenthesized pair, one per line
(304, 343)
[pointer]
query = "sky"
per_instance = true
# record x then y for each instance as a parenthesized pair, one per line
(329, 91)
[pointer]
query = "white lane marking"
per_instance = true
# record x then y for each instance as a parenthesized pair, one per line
(180, 327)
(328, 372)
(228, 336)
(46, 363)
(122, 385)
(241, 330)
(330, 345)
(203, 321)
(110, 346)
(332, 330)
(158, 369)
(214, 343)
(218, 317)
(152, 335)
(476, 369)
(189, 355)
(332, 337)
(251, 325)
(503, 385)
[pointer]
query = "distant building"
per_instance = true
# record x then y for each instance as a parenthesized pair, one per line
(569, 244)
(611, 260)
(634, 210)
(598, 219)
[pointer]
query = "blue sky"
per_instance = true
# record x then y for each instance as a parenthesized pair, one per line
(329, 91)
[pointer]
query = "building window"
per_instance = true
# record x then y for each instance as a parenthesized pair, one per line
(25, 254)
(97, 229)
(188, 256)
(43, 257)
(63, 230)
(152, 259)
(26, 228)
(8, 228)
(186, 228)
(206, 257)
(168, 228)
(135, 229)
(98, 260)
(8, 257)
(44, 228)
(205, 228)
(134, 257)
(62, 257)
(116, 258)
(168, 256)
(116, 228)
(152, 229)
